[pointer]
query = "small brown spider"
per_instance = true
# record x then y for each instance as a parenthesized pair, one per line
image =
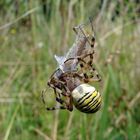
(75, 70)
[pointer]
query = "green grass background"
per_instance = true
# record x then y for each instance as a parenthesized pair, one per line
(29, 38)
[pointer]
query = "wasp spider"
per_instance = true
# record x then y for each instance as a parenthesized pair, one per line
(76, 69)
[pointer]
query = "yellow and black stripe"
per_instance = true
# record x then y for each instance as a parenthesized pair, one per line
(89, 103)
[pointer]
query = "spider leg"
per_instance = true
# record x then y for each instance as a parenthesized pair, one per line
(42, 96)
(60, 91)
(90, 72)
(57, 96)
(58, 99)
(74, 29)
(56, 92)
(66, 104)
(94, 76)
(86, 67)
(52, 108)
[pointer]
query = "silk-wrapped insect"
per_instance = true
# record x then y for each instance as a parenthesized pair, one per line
(75, 70)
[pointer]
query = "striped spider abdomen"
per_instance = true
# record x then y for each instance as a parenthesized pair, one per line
(86, 98)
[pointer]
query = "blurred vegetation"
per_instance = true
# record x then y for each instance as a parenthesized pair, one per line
(31, 32)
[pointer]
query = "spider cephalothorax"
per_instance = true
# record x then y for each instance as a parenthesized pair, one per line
(75, 71)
